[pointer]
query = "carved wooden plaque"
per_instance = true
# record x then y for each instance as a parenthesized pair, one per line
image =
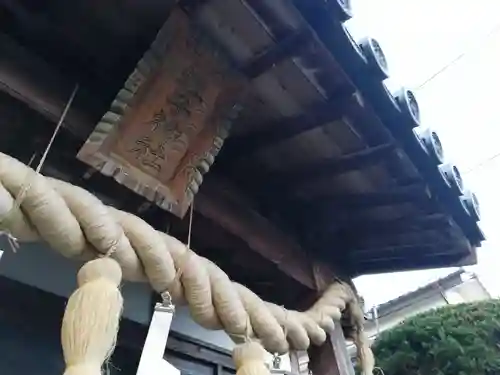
(167, 124)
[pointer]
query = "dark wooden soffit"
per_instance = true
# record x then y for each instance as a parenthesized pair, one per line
(331, 33)
(221, 202)
(285, 48)
(414, 193)
(434, 248)
(285, 128)
(333, 166)
(371, 227)
(29, 79)
(414, 263)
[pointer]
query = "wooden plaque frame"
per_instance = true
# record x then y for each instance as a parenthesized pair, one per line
(169, 121)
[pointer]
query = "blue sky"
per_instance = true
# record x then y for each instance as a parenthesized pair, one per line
(420, 38)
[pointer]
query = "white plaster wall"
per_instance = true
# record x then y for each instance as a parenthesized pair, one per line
(392, 320)
(38, 266)
(471, 290)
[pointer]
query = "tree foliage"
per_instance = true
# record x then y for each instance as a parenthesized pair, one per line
(454, 340)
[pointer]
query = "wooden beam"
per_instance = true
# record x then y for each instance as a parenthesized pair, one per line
(387, 227)
(222, 203)
(289, 46)
(280, 130)
(386, 240)
(27, 78)
(31, 80)
(279, 183)
(191, 6)
(389, 252)
(412, 263)
(332, 167)
(267, 17)
(399, 195)
(328, 32)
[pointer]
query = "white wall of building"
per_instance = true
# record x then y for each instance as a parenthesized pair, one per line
(470, 290)
(387, 322)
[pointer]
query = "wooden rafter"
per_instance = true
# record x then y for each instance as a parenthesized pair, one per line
(281, 184)
(412, 263)
(280, 130)
(386, 237)
(287, 47)
(403, 194)
(441, 247)
(219, 201)
(32, 81)
(398, 225)
(332, 35)
(266, 15)
(332, 167)
(192, 5)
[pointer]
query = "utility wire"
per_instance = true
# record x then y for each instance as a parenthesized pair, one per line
(484, 40)
(482, 163)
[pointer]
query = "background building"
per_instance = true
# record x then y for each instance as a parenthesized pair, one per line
(458, 287)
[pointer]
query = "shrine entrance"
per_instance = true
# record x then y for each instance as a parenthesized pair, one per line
(30, 322)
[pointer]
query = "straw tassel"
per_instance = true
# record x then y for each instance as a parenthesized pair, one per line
(90, 323)
(249, 359)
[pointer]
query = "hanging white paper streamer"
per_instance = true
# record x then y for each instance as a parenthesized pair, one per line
(152, 360)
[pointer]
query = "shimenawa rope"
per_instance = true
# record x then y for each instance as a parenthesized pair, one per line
(77, 224)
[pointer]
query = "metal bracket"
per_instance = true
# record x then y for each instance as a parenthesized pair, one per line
(152, 360)
(280, 365)
(276, 361)
(299, 362)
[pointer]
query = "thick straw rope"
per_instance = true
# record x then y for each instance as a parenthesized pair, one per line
(78, 225)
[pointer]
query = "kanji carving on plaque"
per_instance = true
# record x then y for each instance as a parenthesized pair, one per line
(167, 124)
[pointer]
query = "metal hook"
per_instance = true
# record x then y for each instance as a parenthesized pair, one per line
(276, 361)
(167, 302)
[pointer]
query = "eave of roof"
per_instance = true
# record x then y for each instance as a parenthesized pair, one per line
(330, 31)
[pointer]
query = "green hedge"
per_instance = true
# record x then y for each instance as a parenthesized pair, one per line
(455, 340)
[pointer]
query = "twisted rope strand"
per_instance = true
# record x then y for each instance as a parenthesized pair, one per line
(78, 225)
